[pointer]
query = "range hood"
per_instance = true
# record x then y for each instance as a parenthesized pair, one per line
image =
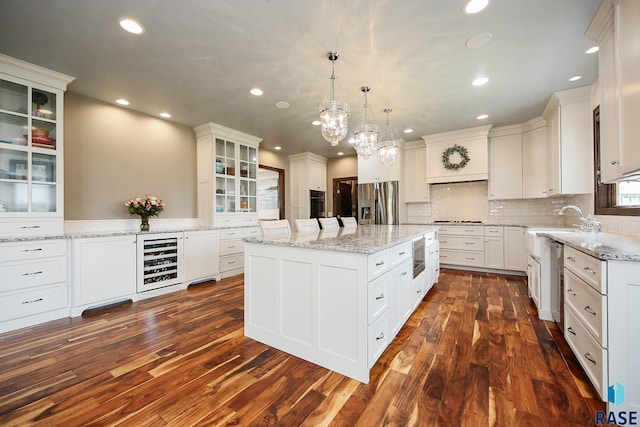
(466, 152)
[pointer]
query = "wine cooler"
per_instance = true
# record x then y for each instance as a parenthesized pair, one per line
(159, 260)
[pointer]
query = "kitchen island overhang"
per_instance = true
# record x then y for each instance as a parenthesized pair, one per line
(330, 299)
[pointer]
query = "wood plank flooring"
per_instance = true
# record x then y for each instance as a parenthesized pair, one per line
(473, 354)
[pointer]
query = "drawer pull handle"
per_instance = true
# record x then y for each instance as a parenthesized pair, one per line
(378, 264)
(590, 358)
(470, 258)
(380, 337)
(404, 273)
(231, 247)
(589, 270)
(402, 253)
(32, 301)
(29, 226)
(469, 243)
(571, 291)
(570, 258)
(32, 250)
(469, 231)
(381, 296)
(32, 273)
(588, 309)
(570, 330)
(443, 241)
(419, 291)
(231, 262)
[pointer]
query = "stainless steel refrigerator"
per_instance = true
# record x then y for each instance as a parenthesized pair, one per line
(378, 203)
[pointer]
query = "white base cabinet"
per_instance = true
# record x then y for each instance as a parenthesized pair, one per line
(231, 249)
(103, 271)
(202, 261)
(33, 285)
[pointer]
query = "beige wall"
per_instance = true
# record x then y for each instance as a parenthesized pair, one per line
(339, 167)
(113, 153)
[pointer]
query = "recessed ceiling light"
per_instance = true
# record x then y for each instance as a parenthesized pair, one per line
(340, 153)
(122, 101)
(282, 104)
(277, 147)
(165, 115)
(480, 81)
(255, 91)
(316, 122)
(575, 78)
(593, 49)
(475, 6)
(408, 130)
(482, 116)
(478, 40)
(131, 26)
(352, 140)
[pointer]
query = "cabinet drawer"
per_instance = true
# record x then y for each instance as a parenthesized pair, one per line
(462, 230)
(238, 233)
(399, 253)
(462, 243)
(493, 230)
(31, 227)
(23, 274)
(378, 337)
(590, 269)
(378, 296)
(378, 263)
(231, 247)
(472, 259)
(430, 238)
(235, 220)
(231, 262)
(33, 249)
(592, 357)
(590, 306)
(33, 301)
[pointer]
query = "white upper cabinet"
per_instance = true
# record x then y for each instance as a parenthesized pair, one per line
(308, 171)
(473, 140)
(31, 148)
(534, 170)
(227, 172)
(372, 170)
(569, 142)
(414, 175)
(505, 163)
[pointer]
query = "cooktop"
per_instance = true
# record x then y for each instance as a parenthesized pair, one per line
(454, 221)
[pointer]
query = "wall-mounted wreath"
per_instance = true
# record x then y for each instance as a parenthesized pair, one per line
(462, 152)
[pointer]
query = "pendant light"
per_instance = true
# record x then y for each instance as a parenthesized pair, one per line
(334, 114)
(366, 132)
(388, 148)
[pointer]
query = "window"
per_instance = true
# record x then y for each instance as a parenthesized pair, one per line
(622, 198)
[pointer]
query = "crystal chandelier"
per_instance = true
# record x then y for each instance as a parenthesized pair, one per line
(387, 147)
(366, 132)
(334, 113)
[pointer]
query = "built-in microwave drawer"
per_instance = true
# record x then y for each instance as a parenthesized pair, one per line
(588, 304)
(590, 269)
(591, 356)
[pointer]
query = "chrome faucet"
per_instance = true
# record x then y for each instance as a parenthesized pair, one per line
(589, 223)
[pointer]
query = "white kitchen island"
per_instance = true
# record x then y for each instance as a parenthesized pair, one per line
(333, 299)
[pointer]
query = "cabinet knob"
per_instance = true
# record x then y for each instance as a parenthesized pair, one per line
(613, 162)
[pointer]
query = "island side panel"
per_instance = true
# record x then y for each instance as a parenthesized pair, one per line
(309, 303)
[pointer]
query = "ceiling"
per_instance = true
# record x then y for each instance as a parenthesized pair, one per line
(198, 59)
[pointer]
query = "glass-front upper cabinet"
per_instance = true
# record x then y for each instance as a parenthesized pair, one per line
(30, 145)
(227, 174)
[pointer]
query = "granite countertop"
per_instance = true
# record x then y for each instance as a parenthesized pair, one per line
(604, 246)
(366, 239)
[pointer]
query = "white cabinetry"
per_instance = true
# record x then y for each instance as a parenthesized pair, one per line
(462, 245)
(494, 247)
(103, 271)
(515, 248)
(160, 261)
(231, 249)
(505, 163)
(201, 254)
(414, 177)
(308, 171)
(31, 148)
(33, 285)
(372, 170)
(227, 171)
(432, 252)
(534, 160)
(475, 140)
(569, 142)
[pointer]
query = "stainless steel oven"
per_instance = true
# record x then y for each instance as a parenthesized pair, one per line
(418, 257)
(316, 204)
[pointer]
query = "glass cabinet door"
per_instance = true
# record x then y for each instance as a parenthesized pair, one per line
(28, 158)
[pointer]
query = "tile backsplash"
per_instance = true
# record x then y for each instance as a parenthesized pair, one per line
(469, 201)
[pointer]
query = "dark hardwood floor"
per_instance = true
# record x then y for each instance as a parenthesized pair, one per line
(474, 353)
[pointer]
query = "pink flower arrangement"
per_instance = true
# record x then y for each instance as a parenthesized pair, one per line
(145, 206)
